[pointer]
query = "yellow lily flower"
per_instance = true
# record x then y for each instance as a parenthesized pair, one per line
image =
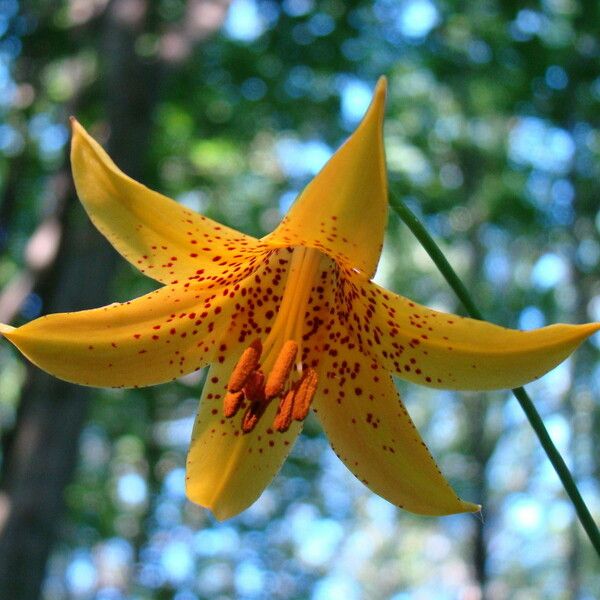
(288, 322)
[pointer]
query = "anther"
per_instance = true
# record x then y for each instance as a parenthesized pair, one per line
(232, 403)
(281, 369)
(283, 419)
(245, 366)
(305, 393)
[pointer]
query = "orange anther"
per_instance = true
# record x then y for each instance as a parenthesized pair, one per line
(305, 393)
(281, 369)
(245, 366)
(232, 403)
(283, 419)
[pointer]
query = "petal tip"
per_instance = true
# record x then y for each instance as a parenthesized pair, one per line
(381, 87)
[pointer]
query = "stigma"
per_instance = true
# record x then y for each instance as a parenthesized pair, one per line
(287, 383)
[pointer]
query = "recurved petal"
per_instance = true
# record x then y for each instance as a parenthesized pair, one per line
(371, 431)
(227, 470)
(343, 210)
(157, 337)
(447, 351)
(162, 238)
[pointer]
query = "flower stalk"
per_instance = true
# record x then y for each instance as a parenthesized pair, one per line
(534, 418)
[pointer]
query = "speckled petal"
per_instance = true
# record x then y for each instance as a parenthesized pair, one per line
(227, 470)
(343, 210)
(157, 337)
(371, 431)
(447, 351)
(162, 238)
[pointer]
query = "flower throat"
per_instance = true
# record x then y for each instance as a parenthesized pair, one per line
(275, 370)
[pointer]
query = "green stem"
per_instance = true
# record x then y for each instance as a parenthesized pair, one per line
(520, 394)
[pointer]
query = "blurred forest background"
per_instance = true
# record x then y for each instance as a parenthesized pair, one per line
(492, 136)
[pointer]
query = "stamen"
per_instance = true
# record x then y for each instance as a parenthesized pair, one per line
(252, 415)
(245, 366)
(232, 403)
(254, 388)
(283, 419)
(281, 369)
(305, 394)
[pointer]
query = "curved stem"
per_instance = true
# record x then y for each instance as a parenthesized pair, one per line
(418, 229)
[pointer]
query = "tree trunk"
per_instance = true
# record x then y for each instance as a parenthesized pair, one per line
(41, 456)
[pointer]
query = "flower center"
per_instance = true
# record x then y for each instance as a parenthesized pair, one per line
(281, 357)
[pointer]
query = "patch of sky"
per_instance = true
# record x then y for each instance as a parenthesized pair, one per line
(562, 195)
(321, 24)
(536, 143)
(174, 483)
(557, 381)
(244, 22)
(177, 561)
(9, 8)
(286, 200)
(413, 19)
(319, 542)
(221, 541)
(132, 490)
(4, 21)
(479, 52)
(167, 514)
(176, 432)
(213, 579)
(525, 513)
(593, 308)
(497, 267)
(11, 140)
(249, 579)
(556, 77)
(527, 24)
(10, 47)
(559, 430)
(51, 137)
(355, 95)
(299, 158)
(531, 317)
(549, 271)
(81, 575)
(337, 587)
(185, 595)
(382, 513)
(297, 8)
(115, 556)
(417, 18)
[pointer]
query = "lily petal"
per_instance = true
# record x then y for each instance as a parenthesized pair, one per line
(160, 237)
(155, 338)
(443, 350)
(371, 431)
(158, 337)
(227, 470)
(343, 210)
